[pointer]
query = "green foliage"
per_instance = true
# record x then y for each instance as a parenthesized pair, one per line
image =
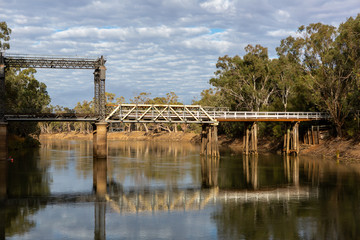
(5, 32)
(246, 83)
(24, 94)
(316, 71)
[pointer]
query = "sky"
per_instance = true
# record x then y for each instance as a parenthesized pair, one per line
(154, 46)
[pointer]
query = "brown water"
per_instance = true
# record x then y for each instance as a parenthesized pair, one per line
(166, 191)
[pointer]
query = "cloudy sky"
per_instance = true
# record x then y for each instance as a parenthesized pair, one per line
(154, 46)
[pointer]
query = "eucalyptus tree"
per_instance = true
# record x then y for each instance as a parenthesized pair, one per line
(246, 82)
(328, 57)
(5, 32)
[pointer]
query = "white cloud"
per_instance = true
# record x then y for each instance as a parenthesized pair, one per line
(281, 33)
(156, 43)
(218, 6)
(282, 16)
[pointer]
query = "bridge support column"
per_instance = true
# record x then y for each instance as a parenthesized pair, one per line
(312, 136)
(99, 88)
(209, 140)
(291, 139)
(250, 140)
(3, 141)
(2, 87)
(100, 140)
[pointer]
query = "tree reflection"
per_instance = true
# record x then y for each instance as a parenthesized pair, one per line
(333, 215)
(145, 162)
(24, 179)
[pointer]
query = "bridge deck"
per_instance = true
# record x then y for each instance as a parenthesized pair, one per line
(160, 113)
(51, 117)
(147, 113)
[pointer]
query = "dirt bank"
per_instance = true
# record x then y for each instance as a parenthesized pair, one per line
(127, 136)
(347, 151)
(343, 150)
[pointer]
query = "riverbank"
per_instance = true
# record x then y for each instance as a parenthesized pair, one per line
(128, 136)
(347, 151)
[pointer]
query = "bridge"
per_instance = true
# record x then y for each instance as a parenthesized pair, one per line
(209, 118)
(162, 113)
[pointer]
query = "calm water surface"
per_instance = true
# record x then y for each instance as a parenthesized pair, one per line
(167, 191)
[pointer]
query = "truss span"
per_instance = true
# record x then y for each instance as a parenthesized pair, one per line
(158, 113)
(57, 62)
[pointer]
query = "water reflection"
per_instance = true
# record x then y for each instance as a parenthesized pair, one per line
(3, 196)
(147, 184)
(250, 165)
(209, 171)
(100, 187)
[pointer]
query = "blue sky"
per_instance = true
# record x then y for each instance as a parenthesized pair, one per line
(154, 46)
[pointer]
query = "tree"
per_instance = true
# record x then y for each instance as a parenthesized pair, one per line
(247, 83)
(329, 73)
(5, 32)
(24, 94)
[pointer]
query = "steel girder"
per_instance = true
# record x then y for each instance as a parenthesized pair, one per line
(56, 62)
(24, 61)
(158, 113)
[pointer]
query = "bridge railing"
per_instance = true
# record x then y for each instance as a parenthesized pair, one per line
(234, 115)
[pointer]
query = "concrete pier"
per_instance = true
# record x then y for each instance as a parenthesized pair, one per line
(100, 140)
(3, 141)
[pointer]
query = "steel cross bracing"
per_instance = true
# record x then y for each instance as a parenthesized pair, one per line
(159, 113)
(57, 62)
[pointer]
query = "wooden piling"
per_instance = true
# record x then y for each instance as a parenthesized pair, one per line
(203, 139)
(312, 135)
(247, 141)
(3, 141)
(250, 139)
(288, 142)
(209, 141)
(291, 139)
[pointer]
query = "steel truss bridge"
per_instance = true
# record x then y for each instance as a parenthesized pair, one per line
(55, 62)
(129, 113)
(157, 113)
(161, 113)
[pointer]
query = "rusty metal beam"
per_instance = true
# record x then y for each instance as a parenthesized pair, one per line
(57, 62)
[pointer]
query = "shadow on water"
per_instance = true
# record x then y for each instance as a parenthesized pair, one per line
(249, 197)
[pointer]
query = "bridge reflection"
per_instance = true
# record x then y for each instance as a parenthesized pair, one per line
(150, 200)
(302, 179)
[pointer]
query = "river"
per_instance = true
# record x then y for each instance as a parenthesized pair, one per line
(147, 190)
